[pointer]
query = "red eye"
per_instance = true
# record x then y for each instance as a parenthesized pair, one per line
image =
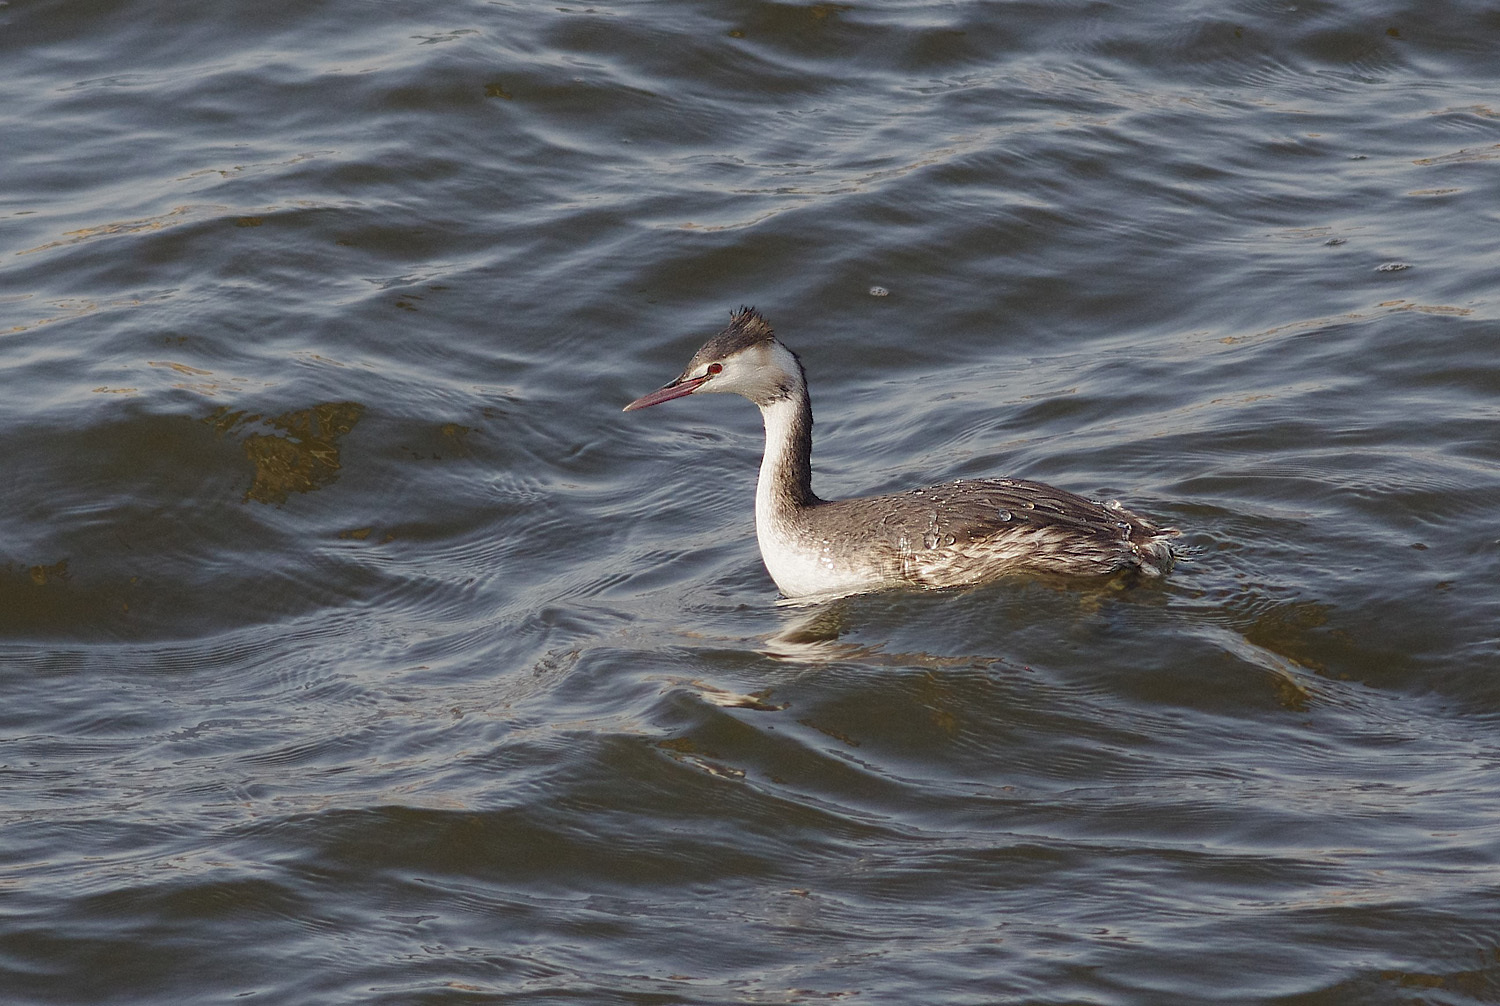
(714, 368)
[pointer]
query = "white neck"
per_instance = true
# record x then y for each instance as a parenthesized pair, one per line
(776, 489)
(783, 494)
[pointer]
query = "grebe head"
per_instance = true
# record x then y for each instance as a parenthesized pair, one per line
(744, 359)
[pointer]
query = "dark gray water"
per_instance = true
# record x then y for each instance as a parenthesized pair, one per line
(355, 648)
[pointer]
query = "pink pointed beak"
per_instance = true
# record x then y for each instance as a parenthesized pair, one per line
(677, 389)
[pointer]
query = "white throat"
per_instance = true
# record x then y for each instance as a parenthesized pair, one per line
(771, 504)
(799, 565)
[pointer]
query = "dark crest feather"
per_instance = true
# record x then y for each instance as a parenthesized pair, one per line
(746, 328)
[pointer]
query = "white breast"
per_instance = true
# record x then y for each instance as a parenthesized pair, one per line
(802, 567)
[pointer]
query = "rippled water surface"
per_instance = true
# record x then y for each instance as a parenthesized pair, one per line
(356, 648)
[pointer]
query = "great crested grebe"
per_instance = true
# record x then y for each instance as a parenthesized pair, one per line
(949, 535)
